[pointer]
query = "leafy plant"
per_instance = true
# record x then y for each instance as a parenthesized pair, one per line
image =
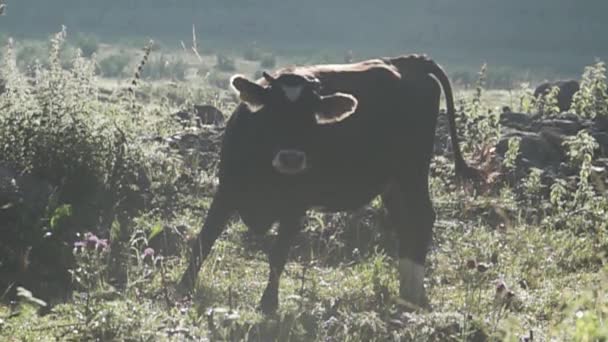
(114, 65)
(253, 52)
(527, 101)
(56, 135)
(547, 105)
(87, 43)
(268, 61)
(163, 67)
(592, 98)
(225, 63)
(481, 125)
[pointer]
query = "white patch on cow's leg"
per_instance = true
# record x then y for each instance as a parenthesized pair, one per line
(292, 93)
(411, 283)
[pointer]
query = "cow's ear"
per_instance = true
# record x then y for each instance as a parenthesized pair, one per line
(335, 108)
(250, 92)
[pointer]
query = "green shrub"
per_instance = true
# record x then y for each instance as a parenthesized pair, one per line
(54, 132)
(114, 65)
(527, 101)
(29, 53)
(547, 104)
(225, 63)
(253, 53)
(218, 80)
(480, 124)
(268, 61)
(592, 98)
(163, 68)
(87, 43)
(3, 38)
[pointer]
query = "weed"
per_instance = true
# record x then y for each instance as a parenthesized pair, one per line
(547, 105)
(87, 43)
(253, 52)
(163, 67)
(592, 98)
(225, 63)
(114, 205)
(114, 65)
(268, 61)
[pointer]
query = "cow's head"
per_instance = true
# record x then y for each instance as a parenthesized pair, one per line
(293, 107)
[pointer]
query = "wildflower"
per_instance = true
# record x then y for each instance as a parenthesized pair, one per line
(91, 240)
(149, 252)
(79, 246)
(501, 288)
(102, 244)
(503, 295)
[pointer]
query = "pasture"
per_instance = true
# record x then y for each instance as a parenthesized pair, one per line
(102, 189)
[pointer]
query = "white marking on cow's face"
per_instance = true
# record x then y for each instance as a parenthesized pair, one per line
(254, 108)
(292, 92)
(411, 282)
(290, 162)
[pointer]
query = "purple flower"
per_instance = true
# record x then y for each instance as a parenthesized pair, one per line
(79, 246)
(149, 252)
(102, 244)
(91, 239)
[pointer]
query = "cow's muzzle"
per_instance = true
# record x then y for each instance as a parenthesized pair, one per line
(290, 162)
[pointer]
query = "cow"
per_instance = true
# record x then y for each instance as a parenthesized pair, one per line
(567, 89)
(332, 138)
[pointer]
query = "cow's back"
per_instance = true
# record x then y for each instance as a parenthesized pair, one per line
(352, 160)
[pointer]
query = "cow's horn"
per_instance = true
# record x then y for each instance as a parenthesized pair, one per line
(268, 78)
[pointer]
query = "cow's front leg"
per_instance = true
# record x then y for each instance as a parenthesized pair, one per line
(220, 211)
(289, 227)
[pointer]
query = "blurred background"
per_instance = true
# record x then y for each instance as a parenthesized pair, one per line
(552, 36)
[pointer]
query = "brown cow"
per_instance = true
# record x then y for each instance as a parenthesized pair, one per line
(332, 137)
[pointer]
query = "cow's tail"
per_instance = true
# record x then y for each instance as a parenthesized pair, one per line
(462, 169)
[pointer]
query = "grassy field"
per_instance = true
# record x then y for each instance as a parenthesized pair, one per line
(521, 261)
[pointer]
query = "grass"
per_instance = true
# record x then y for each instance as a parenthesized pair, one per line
(538, 268)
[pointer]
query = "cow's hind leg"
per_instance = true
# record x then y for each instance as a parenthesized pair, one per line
(219, 212)
(289, 227)
(412, 215)
(407, 199)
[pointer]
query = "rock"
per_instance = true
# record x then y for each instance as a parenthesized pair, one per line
(567, 89)
(599, 173)
(553, 136)
(566, 127)
(520, 121)
(601, 123)
(602, 140)
(203, 115)
(534, 150)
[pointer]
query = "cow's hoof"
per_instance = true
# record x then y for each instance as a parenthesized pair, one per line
(411, 302)
(411, 285)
